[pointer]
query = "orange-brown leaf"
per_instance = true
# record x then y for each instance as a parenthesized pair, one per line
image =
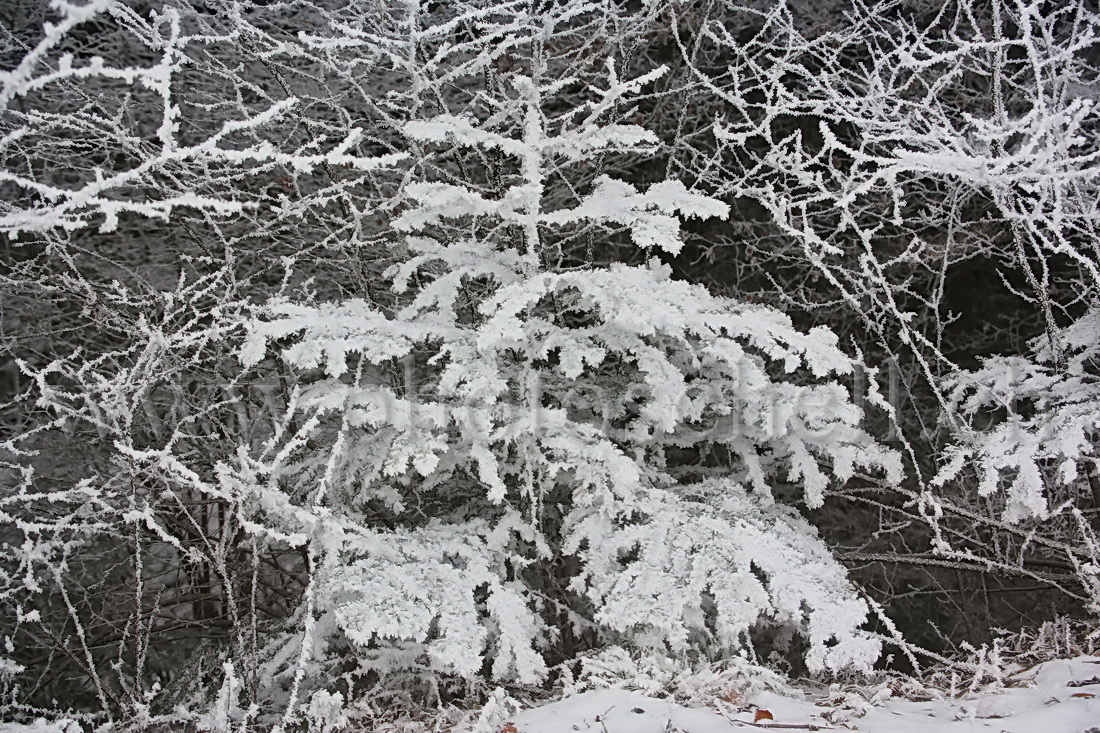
(732, 696)
(762, 714)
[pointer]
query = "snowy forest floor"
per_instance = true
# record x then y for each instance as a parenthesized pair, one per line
(1058, 696)
(1061, 696)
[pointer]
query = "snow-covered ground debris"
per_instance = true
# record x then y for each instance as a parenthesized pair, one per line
(1061, 696)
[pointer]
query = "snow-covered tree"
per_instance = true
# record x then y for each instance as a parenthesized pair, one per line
(575, 457)
(1031, 436)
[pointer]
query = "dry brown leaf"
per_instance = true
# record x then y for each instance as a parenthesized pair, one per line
(732, 696)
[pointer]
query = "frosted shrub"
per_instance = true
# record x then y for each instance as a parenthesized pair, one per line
(539, 485)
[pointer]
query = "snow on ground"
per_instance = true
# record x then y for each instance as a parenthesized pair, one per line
(1061, 696)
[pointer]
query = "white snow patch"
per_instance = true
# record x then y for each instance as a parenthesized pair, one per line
(41, 725)
(1061, 696)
